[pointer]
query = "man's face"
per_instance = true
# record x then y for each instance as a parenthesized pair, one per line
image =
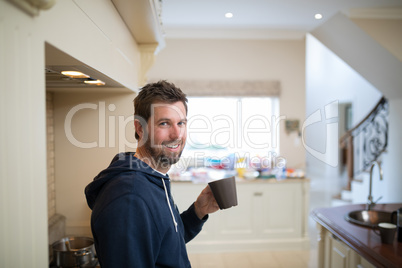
(167, 133)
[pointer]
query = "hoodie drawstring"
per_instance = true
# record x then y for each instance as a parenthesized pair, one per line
(170, 207)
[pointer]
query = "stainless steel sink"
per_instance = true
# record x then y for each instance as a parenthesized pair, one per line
(369, 218)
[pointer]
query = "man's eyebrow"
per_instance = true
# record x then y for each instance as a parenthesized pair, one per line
(163, 119)
(168, 119)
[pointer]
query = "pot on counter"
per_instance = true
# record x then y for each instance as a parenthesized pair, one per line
(73, 251)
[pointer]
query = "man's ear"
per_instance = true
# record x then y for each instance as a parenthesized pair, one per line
(138, 128)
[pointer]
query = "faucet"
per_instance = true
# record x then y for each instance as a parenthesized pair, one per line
(370, 203)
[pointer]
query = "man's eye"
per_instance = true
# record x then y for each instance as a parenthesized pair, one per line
(182, 124)
(163, 124)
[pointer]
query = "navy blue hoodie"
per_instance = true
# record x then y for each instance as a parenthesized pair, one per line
(134, 220)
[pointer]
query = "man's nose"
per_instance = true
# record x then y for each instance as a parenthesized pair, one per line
(176, 132)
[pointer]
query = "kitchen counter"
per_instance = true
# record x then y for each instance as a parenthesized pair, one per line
(270, 215)
(361, 239)
(241, 181)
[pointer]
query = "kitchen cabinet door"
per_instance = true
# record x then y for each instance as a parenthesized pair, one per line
(268, 216)
(338, 254)
(229, 224)
(184, 194)
(280, 210)
(237, 223)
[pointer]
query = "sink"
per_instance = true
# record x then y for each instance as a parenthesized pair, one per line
(369, 218)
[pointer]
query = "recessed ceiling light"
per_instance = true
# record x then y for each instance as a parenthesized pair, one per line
(229, 15)
(95, 82)
(318, 16)
(74, 74)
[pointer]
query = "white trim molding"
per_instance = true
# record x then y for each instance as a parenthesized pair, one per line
(147, 60)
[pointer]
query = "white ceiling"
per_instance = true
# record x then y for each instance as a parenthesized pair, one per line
(263, 19)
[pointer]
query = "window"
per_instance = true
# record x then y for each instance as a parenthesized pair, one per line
(220, 126)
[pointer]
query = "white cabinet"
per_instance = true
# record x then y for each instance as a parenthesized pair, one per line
(280, 209)
(269, 215)
(338, 254)
(333, 253)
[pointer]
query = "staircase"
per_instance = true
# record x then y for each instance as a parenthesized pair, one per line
(361, 145)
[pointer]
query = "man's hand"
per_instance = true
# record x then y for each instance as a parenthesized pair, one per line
(205, 203)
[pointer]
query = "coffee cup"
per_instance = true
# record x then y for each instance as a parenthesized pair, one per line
(387, 232)
(224, 191)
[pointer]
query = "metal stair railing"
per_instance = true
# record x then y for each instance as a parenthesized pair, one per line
(365, 142)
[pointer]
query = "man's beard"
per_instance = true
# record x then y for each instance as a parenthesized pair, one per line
(159, 157)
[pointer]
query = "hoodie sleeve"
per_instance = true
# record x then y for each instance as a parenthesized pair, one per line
(192, 224)
(126, 238)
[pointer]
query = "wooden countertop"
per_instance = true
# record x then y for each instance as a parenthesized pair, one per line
(361, 239)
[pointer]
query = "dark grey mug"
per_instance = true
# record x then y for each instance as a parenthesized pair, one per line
(224, 191)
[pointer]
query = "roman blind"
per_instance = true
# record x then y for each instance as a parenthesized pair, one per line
(223, 88)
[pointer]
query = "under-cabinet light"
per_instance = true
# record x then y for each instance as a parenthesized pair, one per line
(74, 74)
(95, 82)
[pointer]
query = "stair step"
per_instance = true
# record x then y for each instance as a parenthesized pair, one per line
(346, 195)
(340, 202)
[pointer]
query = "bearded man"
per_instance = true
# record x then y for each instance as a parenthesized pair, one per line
(134, 220)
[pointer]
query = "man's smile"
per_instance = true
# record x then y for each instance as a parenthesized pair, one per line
(172, 146)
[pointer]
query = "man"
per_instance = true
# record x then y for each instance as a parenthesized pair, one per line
(134, 220)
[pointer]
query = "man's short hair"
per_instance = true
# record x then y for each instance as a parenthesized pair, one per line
(161, 91)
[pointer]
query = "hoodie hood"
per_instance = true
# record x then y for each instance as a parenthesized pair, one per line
(121, 163)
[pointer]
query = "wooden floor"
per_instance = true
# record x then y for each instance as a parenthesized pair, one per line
(263, 259)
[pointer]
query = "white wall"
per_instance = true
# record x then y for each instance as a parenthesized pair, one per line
(209, 59)
(363, 53)
(391, 189)
(97, 38)
(329, 78)
(90, 128)
(387, 32)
